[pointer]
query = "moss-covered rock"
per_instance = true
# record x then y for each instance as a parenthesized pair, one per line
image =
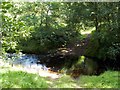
(84, 66)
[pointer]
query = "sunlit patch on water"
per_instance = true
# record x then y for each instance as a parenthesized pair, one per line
(25, 60)
(28, 63)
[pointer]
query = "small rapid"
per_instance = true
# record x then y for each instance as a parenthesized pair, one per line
(25, 60)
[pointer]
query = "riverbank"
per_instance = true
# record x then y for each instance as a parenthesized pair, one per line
(33, 69)
(17, 77)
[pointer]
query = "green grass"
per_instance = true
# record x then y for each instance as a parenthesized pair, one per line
(109, 79)
(18, 79)
(64, 82)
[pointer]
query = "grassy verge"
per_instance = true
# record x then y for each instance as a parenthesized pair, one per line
(64, 82)
(16, 78)
(109, 79)
(19, 79)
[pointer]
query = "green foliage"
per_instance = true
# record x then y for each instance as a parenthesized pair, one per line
(93, 46)
(37, 27)
(79, 63)
(105, 40)
(10, 28)
(44, 39)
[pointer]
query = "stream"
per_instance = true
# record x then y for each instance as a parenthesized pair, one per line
(25, 60)
(29, 63)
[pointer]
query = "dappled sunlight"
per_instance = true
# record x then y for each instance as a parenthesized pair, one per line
(48, 74)
(88, 31)
(16, 86)
(49, 82)
(64, 51)
(40, 72)
(65, 82)
(59, 45)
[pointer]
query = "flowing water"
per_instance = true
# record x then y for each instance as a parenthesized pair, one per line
(25, 60)
(28, 63)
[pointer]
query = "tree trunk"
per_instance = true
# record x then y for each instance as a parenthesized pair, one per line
(96, 20)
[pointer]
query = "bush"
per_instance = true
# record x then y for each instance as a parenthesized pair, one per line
(45, 39)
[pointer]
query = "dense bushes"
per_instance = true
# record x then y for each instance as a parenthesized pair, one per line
(105, 41)
(42, 39)
(106, 49)
(38, 27)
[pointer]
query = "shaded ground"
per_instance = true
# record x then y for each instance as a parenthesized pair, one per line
(78, 47)
(75, 47)
(57, 58)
